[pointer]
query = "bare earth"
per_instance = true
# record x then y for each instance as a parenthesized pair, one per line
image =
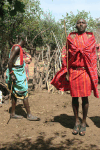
(54, 130)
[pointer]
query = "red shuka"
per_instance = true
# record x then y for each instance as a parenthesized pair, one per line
(81, 53)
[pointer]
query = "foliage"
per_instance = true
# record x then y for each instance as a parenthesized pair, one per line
(98, 22)
(12, 25)
(71, 20)
(12, 19)
(49, 24)
(31, 19)
(10, 7)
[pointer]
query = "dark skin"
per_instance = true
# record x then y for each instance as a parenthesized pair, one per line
(81, 26)
(14, 53)
(75, 105)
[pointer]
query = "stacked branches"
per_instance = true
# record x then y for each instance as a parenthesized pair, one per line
(47, 64)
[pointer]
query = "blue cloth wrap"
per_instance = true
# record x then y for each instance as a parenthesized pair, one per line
(20, 88)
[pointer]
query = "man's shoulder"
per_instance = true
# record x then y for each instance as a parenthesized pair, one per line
(89, 34)
(72, 35)
(15, 48)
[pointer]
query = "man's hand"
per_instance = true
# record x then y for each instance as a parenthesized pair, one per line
(13, 78)
(67, 77)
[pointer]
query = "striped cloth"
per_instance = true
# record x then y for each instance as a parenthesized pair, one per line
(82, 53)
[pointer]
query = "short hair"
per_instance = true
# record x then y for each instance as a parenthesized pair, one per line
(80, 19)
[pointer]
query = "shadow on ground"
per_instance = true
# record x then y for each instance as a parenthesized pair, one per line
(41, 144)
(19, 110)
(96, 120)
(66, 121)
(30, 81)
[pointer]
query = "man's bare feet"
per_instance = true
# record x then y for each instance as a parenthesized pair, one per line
(82, 129)
(76, 128)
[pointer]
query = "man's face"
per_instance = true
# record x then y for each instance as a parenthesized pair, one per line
(81, 25)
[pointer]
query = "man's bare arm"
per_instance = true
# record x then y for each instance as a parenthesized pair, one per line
(14, 53)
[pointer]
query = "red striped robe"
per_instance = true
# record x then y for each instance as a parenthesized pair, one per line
(82, 53)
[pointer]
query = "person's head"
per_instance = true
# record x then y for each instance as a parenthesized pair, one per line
(22, 40)
(81, 26)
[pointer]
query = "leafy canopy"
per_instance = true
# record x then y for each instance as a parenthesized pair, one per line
(71, 20)
(10, 7)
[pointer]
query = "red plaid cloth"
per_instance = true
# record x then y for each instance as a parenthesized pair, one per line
(89, 76)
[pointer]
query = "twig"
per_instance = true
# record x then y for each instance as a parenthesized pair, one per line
(9, 100)
(67, 50)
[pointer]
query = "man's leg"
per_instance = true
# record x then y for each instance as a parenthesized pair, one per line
(29, 115)
(13, 115)
(14, 101)
(75, 105)
(26, 105)
(85, 105)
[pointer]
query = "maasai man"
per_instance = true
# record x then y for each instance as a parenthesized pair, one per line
(17, 80)
(82, 68)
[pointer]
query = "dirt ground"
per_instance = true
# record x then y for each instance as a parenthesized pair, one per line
(54, 130)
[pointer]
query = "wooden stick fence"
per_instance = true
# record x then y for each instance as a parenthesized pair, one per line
(45, 67)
